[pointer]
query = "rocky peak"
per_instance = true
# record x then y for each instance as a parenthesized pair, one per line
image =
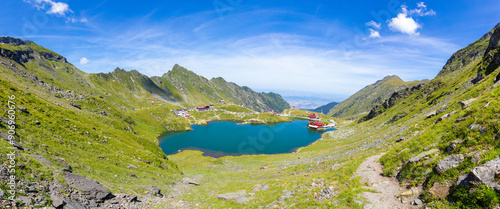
(491, 59)
(12, 41)
(468, 54)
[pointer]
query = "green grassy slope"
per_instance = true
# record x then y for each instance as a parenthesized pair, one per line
(103, 126)
(362, 101)
(452, 122)
(330, 162)
(197, 90)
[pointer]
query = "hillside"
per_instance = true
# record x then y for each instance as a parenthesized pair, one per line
(325, 108)
(70, 129)
(447, 146)
(362, 101)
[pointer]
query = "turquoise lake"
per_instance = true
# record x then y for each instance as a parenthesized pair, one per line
(221, 138)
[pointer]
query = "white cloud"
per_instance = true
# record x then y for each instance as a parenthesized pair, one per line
(374, 34)
(84, 61)
(60, 9)
(404, 24)
(404, 21)
(374, 24)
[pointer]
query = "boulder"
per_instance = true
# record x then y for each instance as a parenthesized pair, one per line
(463, 180)
(125, 198)
(417, 202)
(453, 145)
(447, 115)
(475, 126)
(155, 190)
(466, 103)
(449, 162)
(57, 202)
(264, 188)
(2, 193)
(92, 189)
(442, 109)
(431, 114)
(418, 157)
(237, 197)
(485, 174)
(190, 181)
(13, 142)
(130, 166)
(25, 200)
(71, 204)
(286, 195)
(439, 190)
(257, 187)
(400, 139)
(23, 109)
(42, 160)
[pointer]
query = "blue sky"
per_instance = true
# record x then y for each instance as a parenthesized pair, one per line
(331, 47)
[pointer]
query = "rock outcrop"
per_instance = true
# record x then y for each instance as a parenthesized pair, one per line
(92, 189)
(449, 162)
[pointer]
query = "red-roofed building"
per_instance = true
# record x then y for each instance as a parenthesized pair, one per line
(313, 115)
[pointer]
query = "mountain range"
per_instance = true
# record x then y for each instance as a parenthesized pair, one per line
(90, 140)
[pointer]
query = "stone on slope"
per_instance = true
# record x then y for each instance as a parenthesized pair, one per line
(57, 202)
(190, 181)
(92, 189)
(12, 141)
(466, 103)
(439, 190)
(442, 109)
(71, 204)
(431, 114)
(237, 197)
(42, 160)
(155, 191)
(418, 157)
(453, 145)
(485, 174)
(449, 162)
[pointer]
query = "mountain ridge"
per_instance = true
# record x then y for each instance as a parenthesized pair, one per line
(362, 101)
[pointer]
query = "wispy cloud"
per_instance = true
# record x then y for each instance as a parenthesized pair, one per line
(264, 59)
(374, 24)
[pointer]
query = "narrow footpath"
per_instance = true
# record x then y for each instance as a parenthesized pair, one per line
(388, 189)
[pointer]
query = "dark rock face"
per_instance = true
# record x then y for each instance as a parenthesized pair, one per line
(395, 98)
(491, 59)
(92, 189)
(465, 56)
